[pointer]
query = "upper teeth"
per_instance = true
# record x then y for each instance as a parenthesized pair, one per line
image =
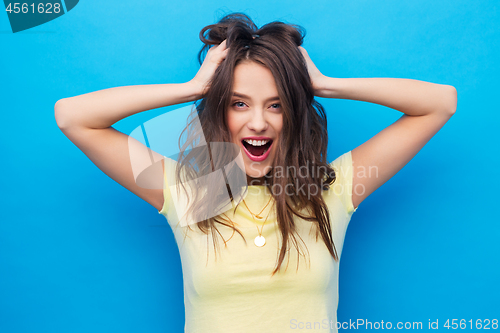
(256, 142)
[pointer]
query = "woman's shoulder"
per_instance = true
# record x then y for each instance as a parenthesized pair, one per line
(169, 163)
(342, 161)
(342, 186)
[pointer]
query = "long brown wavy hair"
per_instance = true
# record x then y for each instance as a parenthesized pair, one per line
(302, 142)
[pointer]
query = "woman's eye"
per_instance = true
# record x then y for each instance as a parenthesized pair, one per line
(239, 104)
(276, 107)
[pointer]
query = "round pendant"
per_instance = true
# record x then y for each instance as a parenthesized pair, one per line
(259, 241)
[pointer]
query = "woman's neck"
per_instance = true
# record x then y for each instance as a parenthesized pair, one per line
(256, 181)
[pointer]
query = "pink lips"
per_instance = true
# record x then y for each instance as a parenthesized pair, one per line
(261, 157)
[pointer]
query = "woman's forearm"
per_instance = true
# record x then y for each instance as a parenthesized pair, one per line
(103, 108)
(411, 97)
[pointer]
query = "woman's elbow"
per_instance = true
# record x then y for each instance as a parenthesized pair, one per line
(60, 114)
(450, 99)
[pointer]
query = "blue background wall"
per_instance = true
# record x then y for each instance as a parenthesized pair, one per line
(79, 253)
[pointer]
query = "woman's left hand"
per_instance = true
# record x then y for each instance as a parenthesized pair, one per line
(316, 77)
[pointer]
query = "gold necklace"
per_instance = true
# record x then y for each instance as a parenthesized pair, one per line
(259, 240)
(257, 216)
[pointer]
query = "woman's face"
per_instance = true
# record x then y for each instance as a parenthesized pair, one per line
(255, 117)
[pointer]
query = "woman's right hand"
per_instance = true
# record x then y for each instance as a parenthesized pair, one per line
(214, 57)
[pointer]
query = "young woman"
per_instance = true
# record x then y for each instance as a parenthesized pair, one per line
(257, 89)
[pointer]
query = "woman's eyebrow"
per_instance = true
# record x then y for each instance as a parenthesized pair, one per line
(237, 94)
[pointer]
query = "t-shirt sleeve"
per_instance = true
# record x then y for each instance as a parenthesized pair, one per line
(342, 187)
(175, 199)
(168, 176)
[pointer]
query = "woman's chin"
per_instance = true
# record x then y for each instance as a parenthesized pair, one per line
(254, 171)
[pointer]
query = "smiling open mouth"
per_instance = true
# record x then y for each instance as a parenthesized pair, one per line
(257, 150)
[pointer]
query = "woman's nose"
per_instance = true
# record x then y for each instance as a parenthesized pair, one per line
(257, 121)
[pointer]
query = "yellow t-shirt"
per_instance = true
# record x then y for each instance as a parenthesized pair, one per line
(233, 291)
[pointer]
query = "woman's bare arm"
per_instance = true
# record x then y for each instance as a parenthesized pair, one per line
(103, 108)
(87, 121)
(426, 106)
(412, 97)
